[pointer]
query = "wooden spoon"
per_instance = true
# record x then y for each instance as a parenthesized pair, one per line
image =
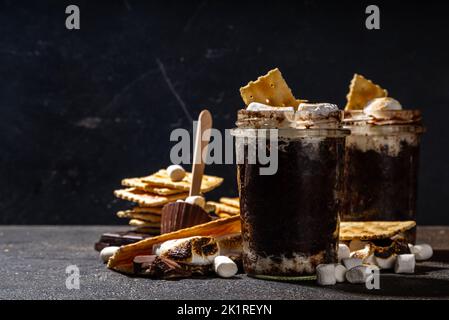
(201, 142)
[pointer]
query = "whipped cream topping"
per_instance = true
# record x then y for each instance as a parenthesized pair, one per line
(381, 112)
(381, 104)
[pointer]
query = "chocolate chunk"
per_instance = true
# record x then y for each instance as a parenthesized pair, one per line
(142, 263)
(159, 267)
(397, 246)
(119, 239)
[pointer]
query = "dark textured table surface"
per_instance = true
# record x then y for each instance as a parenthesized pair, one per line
(33, 262)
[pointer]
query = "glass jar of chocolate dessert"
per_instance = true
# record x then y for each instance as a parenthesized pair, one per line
(290, 174)
(381, 165)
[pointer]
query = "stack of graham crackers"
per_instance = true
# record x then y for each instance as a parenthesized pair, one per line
(226, 207)
(151, 193)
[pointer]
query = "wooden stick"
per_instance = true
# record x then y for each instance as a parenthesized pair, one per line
(201, 143)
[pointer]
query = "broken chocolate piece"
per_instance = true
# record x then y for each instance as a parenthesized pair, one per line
(159, 267)
(119, 239)
(397, 246)
(141, 263)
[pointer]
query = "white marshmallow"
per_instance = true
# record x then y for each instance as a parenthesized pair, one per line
(256, 106)
(340, 272)
(108, 252)
(176, 172)
(343, 251)
(405, 263)
(422, 251)
(326, 274)
(225, 267)
(359, 274)
(357, 244)
(387, 263)
(350, 263)
(198, 200)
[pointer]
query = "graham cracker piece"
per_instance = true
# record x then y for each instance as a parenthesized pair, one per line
(143, 223)
(233, 202)
(138, 183)
(148, 210)
(122, 260)
(361, 91)
(224, 208)
(131, 214)
(147, 199)
(372, 230)
(161, 179)
(270, 89)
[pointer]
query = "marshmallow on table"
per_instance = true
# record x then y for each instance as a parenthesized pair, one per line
(359, 274)
(176, 172)
(197, 200)
(108, 252)
(421, 251)
(225, 267)
(350, 263)
(385, 263)
(405, 263)
(343, 251)
(340, 272)
(326, 274)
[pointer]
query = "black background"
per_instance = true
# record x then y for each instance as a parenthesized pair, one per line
(81, 109)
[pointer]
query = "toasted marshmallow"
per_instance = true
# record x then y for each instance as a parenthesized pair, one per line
(359, 274)
(326, 274)
(256, 106)
(340, 272)
(176, 172)
(362, 253)
(421, 251)
(197, 200)
(195, 250)
(225, 267)
(350, 263)
(108, 252)
(381, 104)
(343, 252)
(405, 263)
(386, 263)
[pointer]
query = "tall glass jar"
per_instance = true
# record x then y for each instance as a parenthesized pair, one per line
(381, 170)
(290, 217)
